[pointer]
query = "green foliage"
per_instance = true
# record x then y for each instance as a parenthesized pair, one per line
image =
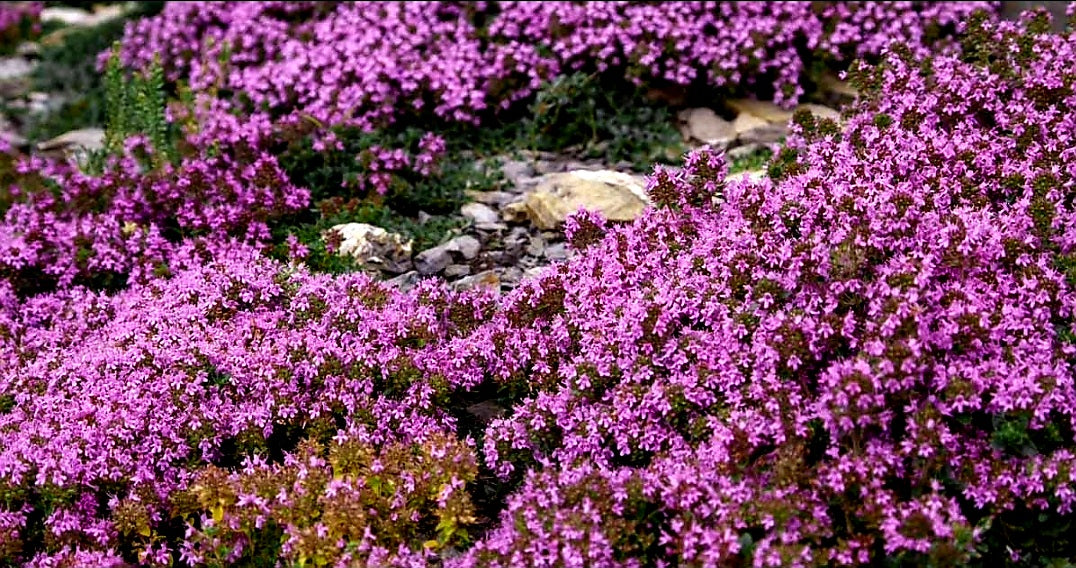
(602, 120)
(1042, 538)
(424, 235)
(335, 180)
(332, 173)
(68, 67)
(757, 160)
(137, 106)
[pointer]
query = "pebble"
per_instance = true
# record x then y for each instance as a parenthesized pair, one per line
(479, 213)
(457, 270)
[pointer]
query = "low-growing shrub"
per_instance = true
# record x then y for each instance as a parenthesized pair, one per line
(601, 121)
(867, 358)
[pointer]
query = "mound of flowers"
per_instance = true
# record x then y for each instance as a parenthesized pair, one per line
(868, 357)
(367, 63)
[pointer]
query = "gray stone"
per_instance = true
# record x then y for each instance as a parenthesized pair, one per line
(433, 260)
(747, 122)
(30, 49)
(466, 245)
(511, 276)
(616, 195)
(374, 247)
(556, 251)
(703, 125)
(494, 198)
(752, 176)
(491, 227)
(457, 270)
(480, 213)
(516, 170)
(534, 272)
(744, 151)
(85, 138)
(536, 246)
(14, 68)
(821, 111)
(764, 110)
(486, 279)
(14, 76)
(78, 17)
(404, 282)
(67, 15)
(768, 134)
(834, 85)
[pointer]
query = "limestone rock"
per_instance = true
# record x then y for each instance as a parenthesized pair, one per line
(436, 259)
(78, 17)
(617, 196)
(765, 110)
(479, 213)
(703, 125)
(746, 122)
(457, 270)
(432, 260)
(821, 111)
(405, 281)
(494, 198)
(467, 246)
(14, 76)
(67, 15)
(516, 170)
(767, 134)
(488, 279)
(374, 246)
(86, 138)
(515, 212)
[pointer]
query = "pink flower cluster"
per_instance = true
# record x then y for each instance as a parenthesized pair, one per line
(14, 16)
(368, 63)
(61, 226)
(867, 357)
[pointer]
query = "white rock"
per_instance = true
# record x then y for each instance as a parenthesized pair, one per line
(68, 16)
(704, 125)
(88, 138)
(617, 196)
(485, 279)
(821, 111)
(81, 18)
(479, 213)
(432, 260)
(14, 68)
(466, 245)
(636, 184)
(765, 110)
(368, 243)
(746, 122)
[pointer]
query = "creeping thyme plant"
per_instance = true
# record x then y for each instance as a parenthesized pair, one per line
(865, 358)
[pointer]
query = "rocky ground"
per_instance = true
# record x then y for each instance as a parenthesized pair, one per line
(513, 234)
(507, 235)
